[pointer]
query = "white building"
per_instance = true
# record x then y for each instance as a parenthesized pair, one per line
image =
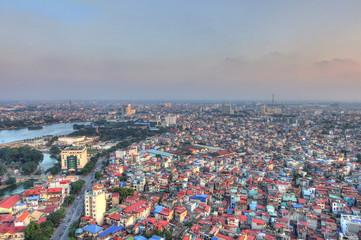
(95, 204)
(350, 224)
(338, 206)
(171, 119)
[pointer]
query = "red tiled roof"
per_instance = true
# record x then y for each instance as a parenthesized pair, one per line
(54, 190)
(134, 206)
(258, 221)
(31, 192)
(9, 201)
(49, 210)
(116, 217)
(41, 220)
(11, 229)
(221, 236)
(23, 216)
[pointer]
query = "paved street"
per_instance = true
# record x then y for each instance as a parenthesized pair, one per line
(74, 211)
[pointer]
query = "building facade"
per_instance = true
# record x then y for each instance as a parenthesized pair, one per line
(95, 205)
(73, 159)
(227, 109)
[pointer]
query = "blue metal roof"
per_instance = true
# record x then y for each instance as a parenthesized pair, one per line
(111, 230)
(157, 209)
(154, 237)
(33, 198)
(140, 238)
(93, 228)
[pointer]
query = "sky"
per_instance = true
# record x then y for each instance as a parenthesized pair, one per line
(180, 50)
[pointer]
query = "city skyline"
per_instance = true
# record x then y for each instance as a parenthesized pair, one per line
(204, 50)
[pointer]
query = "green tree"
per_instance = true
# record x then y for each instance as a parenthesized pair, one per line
(158, 232)
(68, 200)
(73, 227)
(29, 167)
(35, 231)
(12, 155)
(168, 235)
(98, 175)
(51, 141)
(31, 231)
(3, 170)
(90, 165)
(54, 150)
(11, 180)
(54, 170)
(20, 155)
(147, 235)
(76, 186)
(123, 192)
(123, 178)
(47, 228)
(56, 216)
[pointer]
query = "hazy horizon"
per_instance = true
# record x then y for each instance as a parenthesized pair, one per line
(205, 50)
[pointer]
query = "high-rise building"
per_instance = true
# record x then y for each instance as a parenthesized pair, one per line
(263, 109)
(171, 119)
(227, 109)
(127, 110)
(95, 204)
(73, 159)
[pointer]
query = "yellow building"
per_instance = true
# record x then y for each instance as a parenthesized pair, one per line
(73, 159)
(7, 204)
(95, 205)
(179, 214)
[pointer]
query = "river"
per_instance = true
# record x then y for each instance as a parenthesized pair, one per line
(57, 129)
(47, 163)
(16, 189)
(7, 136)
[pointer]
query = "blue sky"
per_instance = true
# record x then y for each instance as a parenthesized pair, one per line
(204, 49)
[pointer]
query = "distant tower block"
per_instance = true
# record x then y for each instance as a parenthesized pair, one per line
(127, 110)
(227, 109)
(263, 109)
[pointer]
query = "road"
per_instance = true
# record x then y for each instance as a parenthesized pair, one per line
(75, 210)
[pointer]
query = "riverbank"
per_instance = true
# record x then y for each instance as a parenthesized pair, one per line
(42, 125)
(20, 135)
(47, 163)
(17, 188)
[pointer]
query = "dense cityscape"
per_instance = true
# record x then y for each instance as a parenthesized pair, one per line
(180, 120)
(184, 171)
